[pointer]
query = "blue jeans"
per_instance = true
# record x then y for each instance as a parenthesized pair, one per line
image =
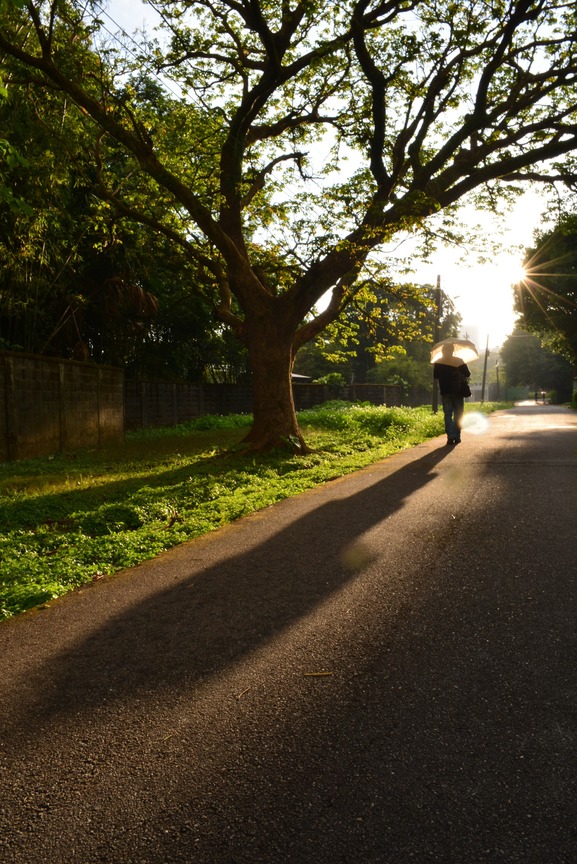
(453, 408)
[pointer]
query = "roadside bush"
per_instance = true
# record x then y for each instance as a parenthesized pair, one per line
(333, 379)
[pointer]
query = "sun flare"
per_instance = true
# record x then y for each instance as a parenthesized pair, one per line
(484, 294)
(511, 270)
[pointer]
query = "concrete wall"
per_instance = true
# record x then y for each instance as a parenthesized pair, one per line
(48, 405)
(161, 403)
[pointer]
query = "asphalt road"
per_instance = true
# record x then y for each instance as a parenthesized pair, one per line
(381, 670)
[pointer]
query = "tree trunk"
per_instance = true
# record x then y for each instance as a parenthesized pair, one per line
(275, 423)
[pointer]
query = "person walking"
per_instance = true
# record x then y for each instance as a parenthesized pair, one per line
(452, 375)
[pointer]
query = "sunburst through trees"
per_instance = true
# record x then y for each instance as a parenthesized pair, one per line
(546, 297)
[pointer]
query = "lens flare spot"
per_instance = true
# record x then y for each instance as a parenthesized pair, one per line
(455, 479)
(475, 422)
(356, 557)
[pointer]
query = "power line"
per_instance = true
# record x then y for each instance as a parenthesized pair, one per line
(127, 48)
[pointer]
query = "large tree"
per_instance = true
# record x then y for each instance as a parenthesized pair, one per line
(547, 298)
(333, 127)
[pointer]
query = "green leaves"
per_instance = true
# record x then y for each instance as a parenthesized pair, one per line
(7, 5)
(10, 159)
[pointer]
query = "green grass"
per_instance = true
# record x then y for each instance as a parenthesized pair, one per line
(73, 518)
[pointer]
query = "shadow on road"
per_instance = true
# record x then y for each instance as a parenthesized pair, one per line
(200, 625)
(446, 734)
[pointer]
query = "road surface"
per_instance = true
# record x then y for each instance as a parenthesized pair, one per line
(381, 670)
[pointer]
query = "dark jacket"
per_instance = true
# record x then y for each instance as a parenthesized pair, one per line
(445, 375)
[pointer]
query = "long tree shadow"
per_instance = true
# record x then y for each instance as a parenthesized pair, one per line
(212, 617)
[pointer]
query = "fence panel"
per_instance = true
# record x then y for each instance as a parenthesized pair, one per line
(48, 405)
(160, 403)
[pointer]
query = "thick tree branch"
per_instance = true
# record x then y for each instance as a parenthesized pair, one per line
(258, 183)
(312, 328)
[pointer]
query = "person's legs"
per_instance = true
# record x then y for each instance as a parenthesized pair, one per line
(451, 428)
(459, 410)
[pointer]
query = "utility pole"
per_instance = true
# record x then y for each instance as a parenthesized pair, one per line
(436, 335)
(485, 370)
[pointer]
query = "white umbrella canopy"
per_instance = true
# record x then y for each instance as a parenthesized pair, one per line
(454, 352)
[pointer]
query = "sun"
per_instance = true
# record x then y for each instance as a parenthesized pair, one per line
(511, 271)
(483, 295)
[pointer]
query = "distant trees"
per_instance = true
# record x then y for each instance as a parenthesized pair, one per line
(528, 363)
(547, 298)
(382, 315)
(384, 337)
(410, 364)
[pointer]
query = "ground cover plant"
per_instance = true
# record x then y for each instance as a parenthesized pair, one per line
(73, 518)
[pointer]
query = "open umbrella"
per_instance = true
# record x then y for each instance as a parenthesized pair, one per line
(453, 352)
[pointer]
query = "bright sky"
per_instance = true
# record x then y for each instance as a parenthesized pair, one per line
(481, 292)
(131, 15)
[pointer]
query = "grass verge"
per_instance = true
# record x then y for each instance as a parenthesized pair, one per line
(73, 518)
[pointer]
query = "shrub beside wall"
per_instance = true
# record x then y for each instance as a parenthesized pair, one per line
(160, 403)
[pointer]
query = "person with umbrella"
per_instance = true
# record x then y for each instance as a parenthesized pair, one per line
(452, 373)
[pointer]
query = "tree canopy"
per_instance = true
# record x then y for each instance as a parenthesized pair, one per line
(384, 336)
(290, 142)
(77, 278)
